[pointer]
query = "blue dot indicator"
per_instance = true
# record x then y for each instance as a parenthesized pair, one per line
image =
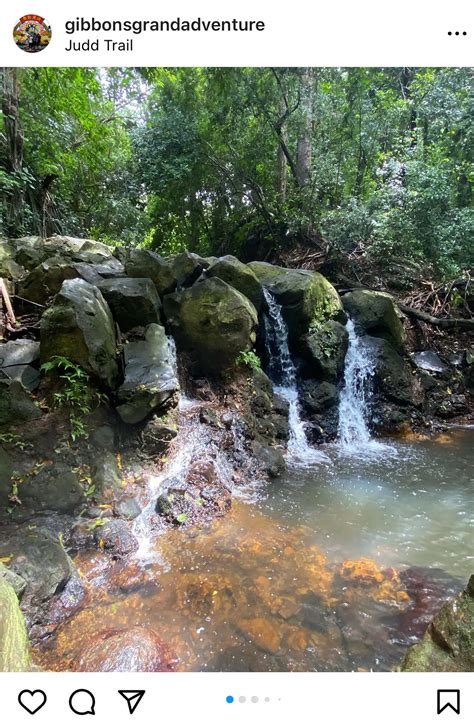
(229, 699)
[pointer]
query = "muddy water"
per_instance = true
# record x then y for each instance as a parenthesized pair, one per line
(336, 567)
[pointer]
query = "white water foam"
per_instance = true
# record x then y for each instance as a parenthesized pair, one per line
(281, 366)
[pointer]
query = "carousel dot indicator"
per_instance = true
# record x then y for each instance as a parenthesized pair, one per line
(242, 699)
(229, 699)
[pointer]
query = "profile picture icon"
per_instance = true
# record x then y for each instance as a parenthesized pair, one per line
(32, 33)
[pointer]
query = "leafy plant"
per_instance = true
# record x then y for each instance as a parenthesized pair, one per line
(249, 359)
(75, 394)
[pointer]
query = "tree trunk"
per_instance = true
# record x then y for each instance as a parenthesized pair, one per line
(303, 150)
(282, 164)
(13, 141)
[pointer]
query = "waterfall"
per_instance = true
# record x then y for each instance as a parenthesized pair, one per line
(358, 373)
(283, 373)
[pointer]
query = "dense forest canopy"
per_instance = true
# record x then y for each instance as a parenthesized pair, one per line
(244, 160)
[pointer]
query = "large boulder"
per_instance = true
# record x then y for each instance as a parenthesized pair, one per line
(28, 251)
(45, 280)
(375, 313)
(393, 376)
(240, 276)
(133, 302)
(54, 488)
(212, 322)
(142, 263)
(307, 298)
(16, 404)
(14, 644)
(62, 245)
(150, 375)
(325, 348)
(38, 557)
(9, 268)
(79, 326)
(187, 268)
(448, 644)
(17, 359)
(134, 649)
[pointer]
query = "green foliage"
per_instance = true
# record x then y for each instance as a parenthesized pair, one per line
(249, 359)
(182, 518)
(75, 394)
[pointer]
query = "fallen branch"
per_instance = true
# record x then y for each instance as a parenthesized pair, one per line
(4, 296)
(442, 322)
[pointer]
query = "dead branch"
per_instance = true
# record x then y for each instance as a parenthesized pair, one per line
(442, 322)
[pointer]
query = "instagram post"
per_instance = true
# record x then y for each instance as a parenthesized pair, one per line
(236, 363)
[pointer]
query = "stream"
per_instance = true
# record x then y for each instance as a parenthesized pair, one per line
(338, 565)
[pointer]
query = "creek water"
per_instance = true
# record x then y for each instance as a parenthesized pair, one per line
(339, 565)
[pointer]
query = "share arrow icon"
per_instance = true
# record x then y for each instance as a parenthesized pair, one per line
(132, 697)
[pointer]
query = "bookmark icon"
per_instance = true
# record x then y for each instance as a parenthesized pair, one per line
(133, 697)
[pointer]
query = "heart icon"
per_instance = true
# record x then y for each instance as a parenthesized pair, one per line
(32, 701)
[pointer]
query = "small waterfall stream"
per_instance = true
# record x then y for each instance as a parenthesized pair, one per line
(283, 372)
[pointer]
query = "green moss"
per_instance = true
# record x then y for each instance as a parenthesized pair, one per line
(14, 645)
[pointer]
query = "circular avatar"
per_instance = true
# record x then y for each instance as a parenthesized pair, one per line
(32, 33)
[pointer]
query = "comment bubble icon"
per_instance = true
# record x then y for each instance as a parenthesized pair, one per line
(82, 702)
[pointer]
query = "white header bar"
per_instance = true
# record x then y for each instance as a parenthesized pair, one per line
(297, 33)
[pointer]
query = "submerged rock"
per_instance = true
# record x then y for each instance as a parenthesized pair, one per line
(150, 376)
(375, 314)
(240, 276)
(14, 644)
(135, 649)
(17, 359)
(133, 302)
(115, 537)
(448, 644)
(79, 326)
(213, 323)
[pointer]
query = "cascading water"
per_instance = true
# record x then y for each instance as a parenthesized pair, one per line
(353, 431)
(283, 373)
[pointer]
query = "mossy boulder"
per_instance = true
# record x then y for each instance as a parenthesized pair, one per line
(393, 376)
(142, 263)
(14, 644)
(307, 298)
(448, 644)
(79, 326)
(133, 302)
(376, 314)
(240, 276)
(150, 376)
(325, 348)
(212, 322)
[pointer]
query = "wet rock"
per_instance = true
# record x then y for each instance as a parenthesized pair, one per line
(156, 436)
(38, 557)
(133, 302)
(54, 488)
(263, 633)
(428, 589)
(6, 472)
(209, 417)
(227, 420)
(128, 508)
(446, 404)
(106, 478)
(271, 460)
(141, 263)
(103, 438)
(43, 282)
(187, 268)
(392, 373)
(325, 348)
(239, 276)
(318, 396)
(13, 579)
(81, 536)
(16, 360)
(307, 298)
(213, 323)
(115, 537)
(79, 326)
(375, 314)
(448, 644)
(14, 644)
(16, 404)
(135, 649)
(150, 376)
(429, 361)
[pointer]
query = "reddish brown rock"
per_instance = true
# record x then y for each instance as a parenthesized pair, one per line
(135, 649)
